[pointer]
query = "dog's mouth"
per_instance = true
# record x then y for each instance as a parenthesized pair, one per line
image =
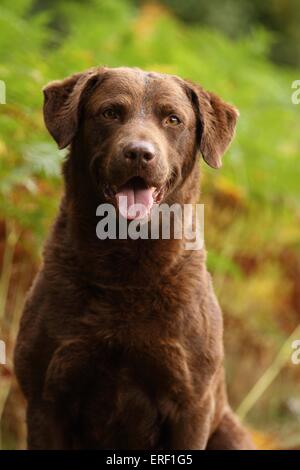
(135, 198)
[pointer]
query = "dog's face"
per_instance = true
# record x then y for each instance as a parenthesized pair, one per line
(140, 131)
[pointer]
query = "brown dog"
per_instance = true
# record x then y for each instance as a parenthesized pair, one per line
(120, 344)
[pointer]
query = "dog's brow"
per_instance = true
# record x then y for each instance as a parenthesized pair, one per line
(168, 106)
(118, 100)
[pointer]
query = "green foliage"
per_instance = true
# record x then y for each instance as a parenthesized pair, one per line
(236, 18)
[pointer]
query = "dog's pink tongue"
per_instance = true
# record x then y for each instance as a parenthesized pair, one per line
(134, 201)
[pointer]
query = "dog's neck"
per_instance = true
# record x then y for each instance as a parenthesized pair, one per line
(118, 262)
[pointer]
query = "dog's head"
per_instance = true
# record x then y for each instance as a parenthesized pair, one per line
(140, 131)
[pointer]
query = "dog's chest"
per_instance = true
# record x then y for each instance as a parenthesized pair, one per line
(155, 335)
(139, 315)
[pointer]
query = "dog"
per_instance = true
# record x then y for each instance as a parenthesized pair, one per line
(120, 343)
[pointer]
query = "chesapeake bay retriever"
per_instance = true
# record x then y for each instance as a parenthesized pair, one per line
(120, 343)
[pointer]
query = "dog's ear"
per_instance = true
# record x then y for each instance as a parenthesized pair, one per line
(216, 123)
(62, 101)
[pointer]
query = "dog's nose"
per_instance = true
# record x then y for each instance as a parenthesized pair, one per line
(140, 151)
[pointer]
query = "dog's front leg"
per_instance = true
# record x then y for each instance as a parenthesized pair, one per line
(190, 427)
(230, 435)
(43, 427)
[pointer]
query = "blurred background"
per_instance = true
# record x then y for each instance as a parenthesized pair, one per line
(247, 51)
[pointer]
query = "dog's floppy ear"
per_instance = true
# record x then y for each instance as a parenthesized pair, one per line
(217, 124)
(62, 99)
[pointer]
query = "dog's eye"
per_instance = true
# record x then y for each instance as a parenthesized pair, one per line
(110, 113)
(172, 120)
